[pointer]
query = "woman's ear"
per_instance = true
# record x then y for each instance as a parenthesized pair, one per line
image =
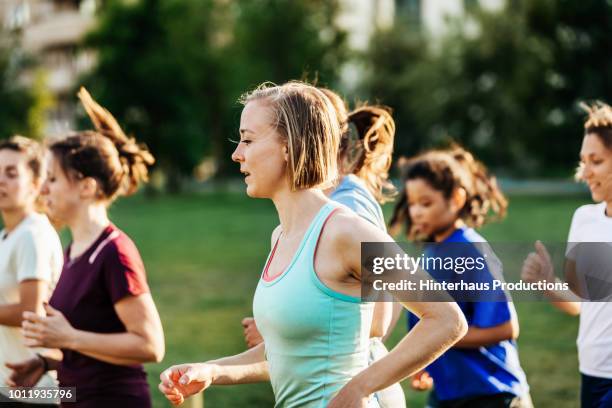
(88, 188)
(458, 199)
(286, 153)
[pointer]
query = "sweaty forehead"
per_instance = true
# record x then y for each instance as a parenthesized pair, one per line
(257, 116)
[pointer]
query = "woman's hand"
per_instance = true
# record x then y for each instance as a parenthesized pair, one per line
(51, 331)
(421, 381)
(25, 373)
(252, 337)
(182, 381)
(538, 265)
(350, 396)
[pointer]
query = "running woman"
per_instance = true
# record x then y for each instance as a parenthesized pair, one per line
(590, 223)
(307, 304)
(101, 314)
(447, 195)
(30, 259)
(363, 185)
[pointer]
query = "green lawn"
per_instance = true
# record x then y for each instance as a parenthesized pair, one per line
(204, 253)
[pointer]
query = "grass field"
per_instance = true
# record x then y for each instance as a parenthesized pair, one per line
(204, 253)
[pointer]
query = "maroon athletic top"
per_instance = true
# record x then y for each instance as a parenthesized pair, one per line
(89, 286)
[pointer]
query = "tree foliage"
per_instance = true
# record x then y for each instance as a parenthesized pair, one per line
(507, 83)
(15, 99)
(172, 70)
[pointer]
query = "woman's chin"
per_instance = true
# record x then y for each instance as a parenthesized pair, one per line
(597, 196)
(251, 192)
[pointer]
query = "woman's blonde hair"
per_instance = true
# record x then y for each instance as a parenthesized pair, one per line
(306, 121)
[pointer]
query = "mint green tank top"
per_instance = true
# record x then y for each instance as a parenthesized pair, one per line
(316, 339)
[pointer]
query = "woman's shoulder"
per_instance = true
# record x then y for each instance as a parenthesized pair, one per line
(347, 227)
(589, 211)
(36, 223)
(117, 244)
(38, 228)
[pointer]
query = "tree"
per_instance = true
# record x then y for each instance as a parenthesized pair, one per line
(509, 90)
(278, 41)
(153, 75)
(172, 71)
(14, 97)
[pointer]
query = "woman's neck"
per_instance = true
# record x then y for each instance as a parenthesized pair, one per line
(329, 191)
(443, 234)
(89, 223)
(12, 218)
(296, 208)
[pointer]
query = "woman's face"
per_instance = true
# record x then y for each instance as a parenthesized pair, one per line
(261, 154)
(596, 162)
(61, 194)
(18, 188)
(430, 212)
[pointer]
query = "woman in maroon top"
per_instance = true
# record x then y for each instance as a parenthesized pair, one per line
(101, 314)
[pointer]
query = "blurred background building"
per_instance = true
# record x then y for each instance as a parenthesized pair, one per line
(49, 31)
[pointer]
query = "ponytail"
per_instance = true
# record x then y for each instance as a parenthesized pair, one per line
(114, 160)
(485, 201)
(370, 155)
(134, 158)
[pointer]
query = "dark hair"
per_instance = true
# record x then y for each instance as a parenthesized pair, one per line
(599, 121)
(445, 171)
(116, 161)
(32, 150)
(368, 153)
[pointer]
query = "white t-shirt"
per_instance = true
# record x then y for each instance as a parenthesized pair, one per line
(590, 224)
(31, 251)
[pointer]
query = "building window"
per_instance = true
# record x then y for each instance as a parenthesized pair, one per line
(18, 16)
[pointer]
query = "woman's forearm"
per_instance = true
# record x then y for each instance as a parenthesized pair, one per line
(115, 348)
(429, 338)
(11, 315)
(248, 367)
(569, 307)
(566, 301)
(32, 293)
